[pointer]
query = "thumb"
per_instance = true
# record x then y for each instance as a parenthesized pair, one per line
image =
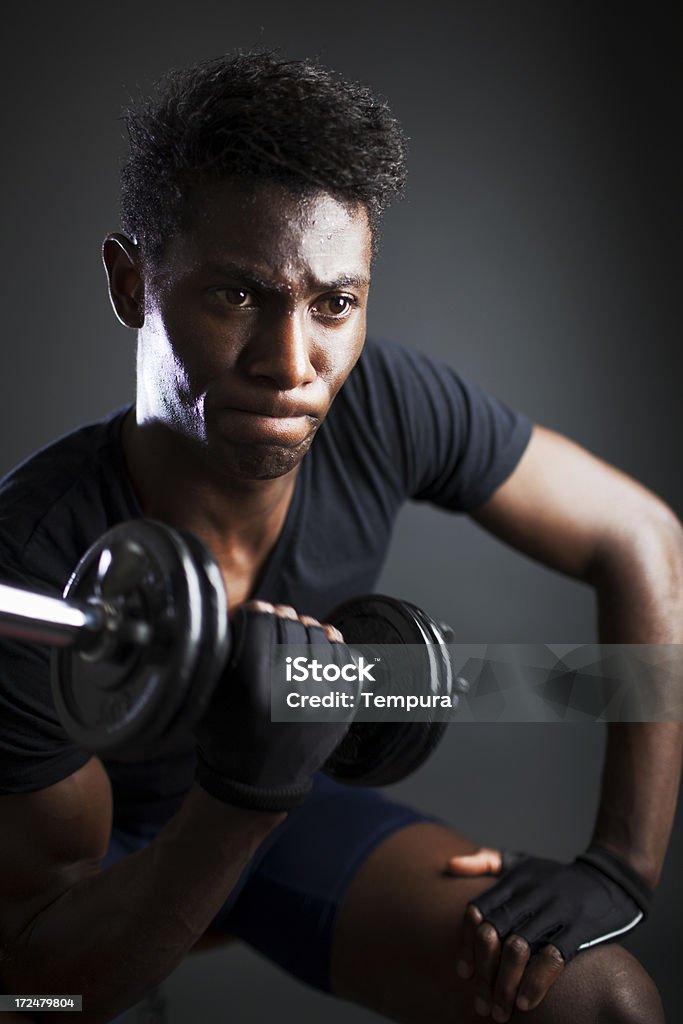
(485, 861)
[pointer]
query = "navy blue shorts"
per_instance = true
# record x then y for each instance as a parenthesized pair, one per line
(286, 900)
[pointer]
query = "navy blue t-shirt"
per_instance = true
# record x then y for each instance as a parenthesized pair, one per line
(404, 426)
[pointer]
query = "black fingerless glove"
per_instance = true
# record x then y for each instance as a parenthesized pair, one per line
(573, 906)
(243, 757)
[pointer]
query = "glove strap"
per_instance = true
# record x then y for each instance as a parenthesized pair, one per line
(621, 873)
(241, 794)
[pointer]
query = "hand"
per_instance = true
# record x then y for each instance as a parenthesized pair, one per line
(499, 967)
(244, 758)
(507, 929)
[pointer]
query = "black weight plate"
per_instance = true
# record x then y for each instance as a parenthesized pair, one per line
(214, 646)
(126, 697)
(377, 619)
(444, 672)
(382, 753)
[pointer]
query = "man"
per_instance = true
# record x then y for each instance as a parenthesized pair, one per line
(251, 203)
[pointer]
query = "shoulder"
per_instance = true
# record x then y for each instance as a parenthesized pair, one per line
(389, 378)
(382, 358)
(40, 497)
(443, 437)
(393, 386)
(388, 368)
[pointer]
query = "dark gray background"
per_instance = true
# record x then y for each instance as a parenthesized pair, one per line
(538, 250)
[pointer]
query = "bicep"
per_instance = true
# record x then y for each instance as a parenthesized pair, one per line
(52, 839)
(564, 506)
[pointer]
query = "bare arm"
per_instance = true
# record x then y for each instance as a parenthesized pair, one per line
(573, 512)
(65, 923)
(640, 600)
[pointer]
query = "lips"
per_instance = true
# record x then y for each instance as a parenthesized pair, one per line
(281, 425)
(280, 412)
(273, 405)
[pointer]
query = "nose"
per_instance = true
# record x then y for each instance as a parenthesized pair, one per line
(280, 354)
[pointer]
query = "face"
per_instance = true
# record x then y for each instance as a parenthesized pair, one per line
(253, 323)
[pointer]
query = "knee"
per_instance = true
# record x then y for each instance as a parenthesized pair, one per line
(619, 988)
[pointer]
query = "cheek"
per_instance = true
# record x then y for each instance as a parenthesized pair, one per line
(162, 372)
(342, 354)
(191, 348)
(169, 378)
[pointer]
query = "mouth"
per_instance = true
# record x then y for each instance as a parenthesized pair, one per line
(276, 411)
(281, 426)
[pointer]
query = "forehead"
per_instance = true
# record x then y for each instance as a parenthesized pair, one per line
(279, 235)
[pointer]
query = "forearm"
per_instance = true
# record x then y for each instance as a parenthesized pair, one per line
(118, 933)
(639, 791)
(640, 601)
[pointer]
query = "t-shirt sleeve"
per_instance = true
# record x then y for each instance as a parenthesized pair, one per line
(450, 441)
(34, 749)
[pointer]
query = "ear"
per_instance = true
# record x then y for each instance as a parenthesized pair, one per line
(121, 259)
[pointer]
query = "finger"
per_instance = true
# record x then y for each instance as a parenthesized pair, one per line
(485, 861)
(330, 631)
(285, 611)
(308, 620)
(514, 958)
(486, 964)
(465, 961)
(258, 606)
(539, 977)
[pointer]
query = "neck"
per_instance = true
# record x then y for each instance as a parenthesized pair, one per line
(175, 483)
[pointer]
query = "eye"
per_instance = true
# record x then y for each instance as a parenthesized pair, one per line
(237, 297)
(335, 307)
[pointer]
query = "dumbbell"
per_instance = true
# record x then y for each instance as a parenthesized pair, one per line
(141, 637)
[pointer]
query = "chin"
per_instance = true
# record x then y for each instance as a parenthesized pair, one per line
(259, 462)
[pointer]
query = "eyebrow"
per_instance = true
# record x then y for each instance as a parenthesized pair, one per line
(250, 277)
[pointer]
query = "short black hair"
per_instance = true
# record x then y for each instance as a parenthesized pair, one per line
(260, 117)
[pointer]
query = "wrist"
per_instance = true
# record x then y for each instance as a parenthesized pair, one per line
(620, 871)
(257, 797)
(220, 815)
(643, 864)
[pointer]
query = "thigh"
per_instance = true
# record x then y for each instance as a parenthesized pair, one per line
(398, 933)
(288, 904)
(286, 901)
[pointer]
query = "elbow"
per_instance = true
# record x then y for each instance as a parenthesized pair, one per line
(638, 577)
(658, 541)
(648, 533)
